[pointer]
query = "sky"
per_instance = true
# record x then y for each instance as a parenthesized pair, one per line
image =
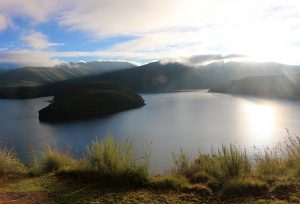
(49, 32)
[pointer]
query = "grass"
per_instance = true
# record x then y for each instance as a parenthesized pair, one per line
(244, 187)
(115, 160)
(110, 172)
(54, 160)
(216, 168)
(10, 164)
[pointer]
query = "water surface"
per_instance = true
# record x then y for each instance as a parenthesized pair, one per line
(189, 120)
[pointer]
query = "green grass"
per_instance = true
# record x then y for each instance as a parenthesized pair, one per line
(221, 165)
(108, 157)
(54, 160)
(10, 164)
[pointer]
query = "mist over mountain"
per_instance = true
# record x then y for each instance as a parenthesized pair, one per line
(34, 76)
(172, 76)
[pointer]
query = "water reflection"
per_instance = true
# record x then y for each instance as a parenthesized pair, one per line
(260, 121)
(170, 121)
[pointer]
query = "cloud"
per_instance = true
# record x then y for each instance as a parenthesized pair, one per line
(168, 29)
(106, 18)
(29, 58)
(200, 60)
(37, 52)
(37, 10)
(37, 40)
(3, 22)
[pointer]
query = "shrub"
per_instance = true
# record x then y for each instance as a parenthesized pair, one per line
(10, 164)
(243, 187)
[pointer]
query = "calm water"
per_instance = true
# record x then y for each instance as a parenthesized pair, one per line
(170, 121)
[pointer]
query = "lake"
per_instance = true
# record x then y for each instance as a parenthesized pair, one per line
(191, 120)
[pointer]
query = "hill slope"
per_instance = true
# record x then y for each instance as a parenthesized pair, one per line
(280, 86)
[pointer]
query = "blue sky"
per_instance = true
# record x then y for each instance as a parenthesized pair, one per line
(46, 33)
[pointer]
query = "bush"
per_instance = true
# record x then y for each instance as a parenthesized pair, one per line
(243, 187)
(111, 159)
(10, 164)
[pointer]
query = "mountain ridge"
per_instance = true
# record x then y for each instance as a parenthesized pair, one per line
(34, 76)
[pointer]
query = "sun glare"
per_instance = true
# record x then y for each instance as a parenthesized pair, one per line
(260, 121)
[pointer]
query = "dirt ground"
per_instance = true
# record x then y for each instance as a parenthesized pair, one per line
(25, 198)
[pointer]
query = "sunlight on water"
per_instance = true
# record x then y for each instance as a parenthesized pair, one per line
(192, 121)
(260, 121)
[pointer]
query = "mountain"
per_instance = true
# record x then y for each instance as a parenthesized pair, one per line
(152, 77)
(34, 76)
(155, 77)
(279, 86)
(162, 77)
(89, 100)
(2, 70)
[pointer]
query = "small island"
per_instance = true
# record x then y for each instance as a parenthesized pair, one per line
(84, 101)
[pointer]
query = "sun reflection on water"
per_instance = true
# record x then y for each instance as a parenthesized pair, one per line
(260, 121)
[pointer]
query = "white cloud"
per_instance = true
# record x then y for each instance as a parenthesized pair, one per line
(38, 40)
(266, 29)
(37, 10)
(29, 58)
(3, 22)
(261, 29)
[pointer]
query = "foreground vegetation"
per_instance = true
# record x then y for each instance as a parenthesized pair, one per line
(110, 172)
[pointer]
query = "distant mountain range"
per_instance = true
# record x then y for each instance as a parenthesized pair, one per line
(160, 77)
(36, 76)
(221, 76)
